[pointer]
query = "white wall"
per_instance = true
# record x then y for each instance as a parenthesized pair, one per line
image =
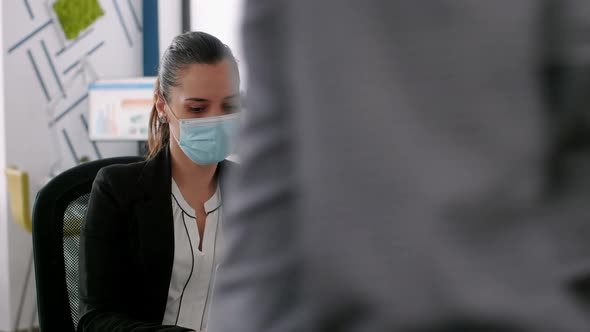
(169, 22)
(27, 138)
(4, 262)
(223, 19)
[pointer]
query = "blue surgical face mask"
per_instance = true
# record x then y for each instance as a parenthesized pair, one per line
(208, 140)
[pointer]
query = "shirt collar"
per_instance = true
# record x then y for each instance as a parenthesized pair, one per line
(211, 204)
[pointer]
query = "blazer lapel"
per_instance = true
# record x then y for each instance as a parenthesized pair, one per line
(156, 228)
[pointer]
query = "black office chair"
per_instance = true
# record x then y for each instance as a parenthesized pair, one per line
(58, 214)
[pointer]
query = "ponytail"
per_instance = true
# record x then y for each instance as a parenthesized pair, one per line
(159, 132)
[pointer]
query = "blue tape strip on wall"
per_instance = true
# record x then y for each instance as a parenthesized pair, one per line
(151, 50)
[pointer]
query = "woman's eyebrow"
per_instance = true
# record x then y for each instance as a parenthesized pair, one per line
(232, 96)
(195, 99)
(203, 99)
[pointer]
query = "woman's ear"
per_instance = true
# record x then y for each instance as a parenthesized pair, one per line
(160, 103)
(160, 108)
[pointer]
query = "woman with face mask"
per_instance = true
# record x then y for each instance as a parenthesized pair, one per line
(152, 241)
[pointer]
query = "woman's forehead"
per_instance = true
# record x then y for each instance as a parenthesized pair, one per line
(207, 80)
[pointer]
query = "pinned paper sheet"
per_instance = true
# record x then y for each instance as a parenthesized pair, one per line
(76, 16)
(120, 109)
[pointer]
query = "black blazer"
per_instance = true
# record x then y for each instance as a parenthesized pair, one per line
(127, 247)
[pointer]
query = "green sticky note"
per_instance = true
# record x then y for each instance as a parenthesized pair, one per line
(77, 15)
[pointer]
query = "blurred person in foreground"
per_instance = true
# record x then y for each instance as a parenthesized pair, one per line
(411, 166)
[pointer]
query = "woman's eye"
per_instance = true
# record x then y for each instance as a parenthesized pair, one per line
(196, 109)
(231, 108)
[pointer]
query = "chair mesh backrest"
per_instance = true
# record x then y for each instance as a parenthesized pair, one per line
(72, 222)
(58, 215)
